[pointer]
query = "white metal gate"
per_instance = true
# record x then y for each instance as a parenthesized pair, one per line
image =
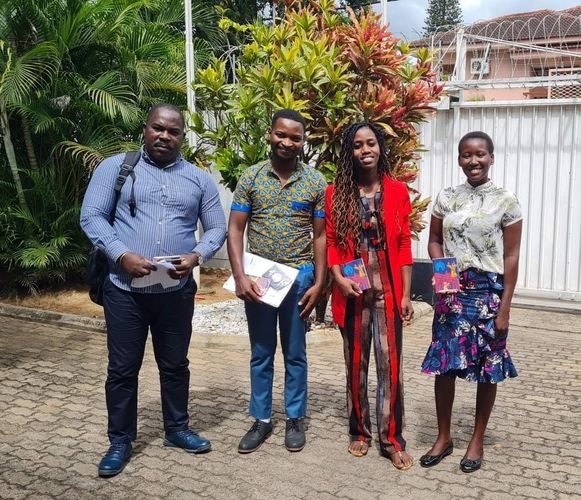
(538, 157)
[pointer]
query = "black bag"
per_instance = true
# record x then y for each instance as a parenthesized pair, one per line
(97, 262)
(97, 271)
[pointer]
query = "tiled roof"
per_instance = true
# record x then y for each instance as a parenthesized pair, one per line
(537, 25)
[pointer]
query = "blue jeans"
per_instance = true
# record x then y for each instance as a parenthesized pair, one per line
(129, 316)
(262, 321)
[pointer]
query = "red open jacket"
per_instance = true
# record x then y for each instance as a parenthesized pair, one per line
(396, 211)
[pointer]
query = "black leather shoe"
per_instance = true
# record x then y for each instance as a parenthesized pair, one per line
(254, 438)
(294, 439)
(115, 459)
(431, 460)
(469, 465)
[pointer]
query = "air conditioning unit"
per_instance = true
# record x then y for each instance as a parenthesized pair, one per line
(479, 65)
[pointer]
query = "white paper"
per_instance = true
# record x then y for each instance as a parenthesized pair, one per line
(157, 277)
(257, 266)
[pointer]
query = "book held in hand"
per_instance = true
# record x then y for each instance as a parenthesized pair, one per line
(446, 275)
(355, 271)
(274, 278)
(262, 282)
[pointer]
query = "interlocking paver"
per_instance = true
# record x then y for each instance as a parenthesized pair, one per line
(53, 420)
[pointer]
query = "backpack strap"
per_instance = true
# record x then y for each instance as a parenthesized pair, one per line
(129, 162)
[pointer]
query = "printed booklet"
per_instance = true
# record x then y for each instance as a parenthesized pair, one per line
(262, 282)
(276, 279)
(446, 275)
(355, 271)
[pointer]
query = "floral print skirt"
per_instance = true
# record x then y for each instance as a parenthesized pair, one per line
(464, 342)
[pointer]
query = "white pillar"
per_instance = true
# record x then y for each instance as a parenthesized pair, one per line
(384, 12)
(190, 69)
(191, 97)
(460, 65)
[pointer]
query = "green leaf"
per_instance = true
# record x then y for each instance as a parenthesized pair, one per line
(32, 71)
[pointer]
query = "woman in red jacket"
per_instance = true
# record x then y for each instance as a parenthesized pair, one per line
(368, 218)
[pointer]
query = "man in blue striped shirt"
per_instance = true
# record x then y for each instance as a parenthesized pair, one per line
(171, 195)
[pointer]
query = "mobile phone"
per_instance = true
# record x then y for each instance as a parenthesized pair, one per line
(173, 259)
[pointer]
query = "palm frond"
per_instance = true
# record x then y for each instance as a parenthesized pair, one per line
(168, 12)
(151, 41)
(152, 77)
(66, 218)
(114, 97)
(100, 143)
(31, 71)
(36, 255)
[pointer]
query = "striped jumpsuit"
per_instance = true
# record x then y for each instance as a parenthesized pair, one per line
(373, 318)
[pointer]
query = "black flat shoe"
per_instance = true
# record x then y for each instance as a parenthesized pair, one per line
(254, 438)
(295, 439)
(431, 460)
(467, 465)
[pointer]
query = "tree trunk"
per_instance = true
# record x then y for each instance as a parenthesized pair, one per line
(11, 155)
(32, 162)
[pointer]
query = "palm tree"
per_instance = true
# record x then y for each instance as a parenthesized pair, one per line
(76, 80)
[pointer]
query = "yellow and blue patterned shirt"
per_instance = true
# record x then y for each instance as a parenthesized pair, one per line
(281, 217)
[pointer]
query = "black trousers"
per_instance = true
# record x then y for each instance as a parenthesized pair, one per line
(129, 316)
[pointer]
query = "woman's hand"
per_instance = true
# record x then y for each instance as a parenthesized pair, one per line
(407, 309)
(347, 287)
(501, 324)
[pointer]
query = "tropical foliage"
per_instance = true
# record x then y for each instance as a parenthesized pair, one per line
(244, 11)
(334, 71)
(76, 79)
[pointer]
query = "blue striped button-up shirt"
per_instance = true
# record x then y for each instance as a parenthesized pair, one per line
(169, 201)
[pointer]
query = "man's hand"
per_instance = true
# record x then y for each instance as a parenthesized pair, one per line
(246, 289)
(309, 300)
(407, 310)
(136, 265)
(501, 324)
(184, 267)
(347, 287)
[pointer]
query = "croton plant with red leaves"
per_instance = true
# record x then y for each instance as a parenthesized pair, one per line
(334, 68)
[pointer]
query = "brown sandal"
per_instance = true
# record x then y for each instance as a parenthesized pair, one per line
(403, 466)
(360, 450)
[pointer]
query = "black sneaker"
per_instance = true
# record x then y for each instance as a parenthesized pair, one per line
(254, 438)
(294, 439)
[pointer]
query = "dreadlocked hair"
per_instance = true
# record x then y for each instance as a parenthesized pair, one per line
(345, 204)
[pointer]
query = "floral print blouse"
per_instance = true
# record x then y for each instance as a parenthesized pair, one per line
(472, 222)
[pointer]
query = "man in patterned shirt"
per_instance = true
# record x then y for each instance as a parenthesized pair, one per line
(282, 200)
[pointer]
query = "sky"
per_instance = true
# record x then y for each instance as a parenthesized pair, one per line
(407, 17)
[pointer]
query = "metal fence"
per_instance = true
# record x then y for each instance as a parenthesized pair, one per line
(532, 55)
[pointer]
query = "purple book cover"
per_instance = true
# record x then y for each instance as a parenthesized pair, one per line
(355, 271)
(446, 275)
(262, 282)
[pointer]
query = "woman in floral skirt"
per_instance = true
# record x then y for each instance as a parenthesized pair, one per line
(480, 224)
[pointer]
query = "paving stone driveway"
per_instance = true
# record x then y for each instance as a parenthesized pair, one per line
(52, 423)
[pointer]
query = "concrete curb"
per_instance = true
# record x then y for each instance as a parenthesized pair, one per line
(97, 325)
(53, 318)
